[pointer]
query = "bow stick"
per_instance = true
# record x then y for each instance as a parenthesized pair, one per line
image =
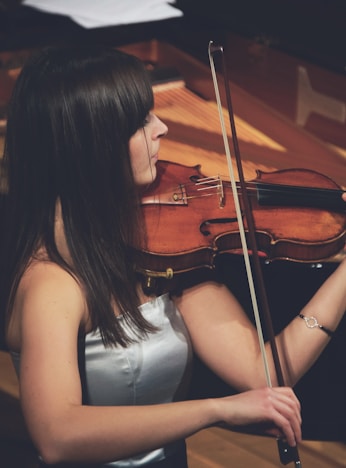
(287, 453)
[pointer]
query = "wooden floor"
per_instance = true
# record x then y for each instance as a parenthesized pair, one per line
(219, 448)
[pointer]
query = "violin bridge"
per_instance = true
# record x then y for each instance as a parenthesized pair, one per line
(221, 193)
(208, 186)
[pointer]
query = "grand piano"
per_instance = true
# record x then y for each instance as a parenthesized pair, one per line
(289, 100)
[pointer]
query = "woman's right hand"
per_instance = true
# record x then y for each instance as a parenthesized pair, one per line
(276, 410)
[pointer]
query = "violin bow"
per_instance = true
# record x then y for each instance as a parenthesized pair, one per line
(287, 453)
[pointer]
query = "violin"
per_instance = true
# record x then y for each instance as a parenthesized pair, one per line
(190, 219)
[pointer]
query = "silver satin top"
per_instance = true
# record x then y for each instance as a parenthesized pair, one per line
(152, 371)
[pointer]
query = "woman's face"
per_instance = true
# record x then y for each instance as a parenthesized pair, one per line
(144, 148)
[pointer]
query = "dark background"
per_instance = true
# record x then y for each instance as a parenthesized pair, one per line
(311, 29)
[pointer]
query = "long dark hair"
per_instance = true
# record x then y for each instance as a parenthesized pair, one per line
(72, 113)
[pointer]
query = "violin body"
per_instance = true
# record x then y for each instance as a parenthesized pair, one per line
(190, 219)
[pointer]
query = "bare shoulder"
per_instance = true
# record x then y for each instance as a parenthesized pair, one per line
(47, 282)
(46, 295)
(40, 269)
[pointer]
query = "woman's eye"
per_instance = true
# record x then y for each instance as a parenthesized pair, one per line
(147, 119)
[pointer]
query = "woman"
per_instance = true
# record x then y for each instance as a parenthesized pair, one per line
(103, 368)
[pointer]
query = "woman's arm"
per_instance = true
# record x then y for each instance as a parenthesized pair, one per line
(299, 345)
(51, 308)
(227, 342)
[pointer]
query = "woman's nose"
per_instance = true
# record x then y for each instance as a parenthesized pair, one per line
(161, 128)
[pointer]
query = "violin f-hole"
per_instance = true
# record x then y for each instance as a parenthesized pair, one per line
(207, 222)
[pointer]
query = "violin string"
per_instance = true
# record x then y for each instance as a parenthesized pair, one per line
(265, 187)
(191, 197)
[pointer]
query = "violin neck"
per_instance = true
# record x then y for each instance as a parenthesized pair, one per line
(290, 195)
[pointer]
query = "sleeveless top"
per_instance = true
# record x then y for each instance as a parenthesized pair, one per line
(153, 370)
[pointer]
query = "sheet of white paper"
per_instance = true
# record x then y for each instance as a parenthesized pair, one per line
(103, 13)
